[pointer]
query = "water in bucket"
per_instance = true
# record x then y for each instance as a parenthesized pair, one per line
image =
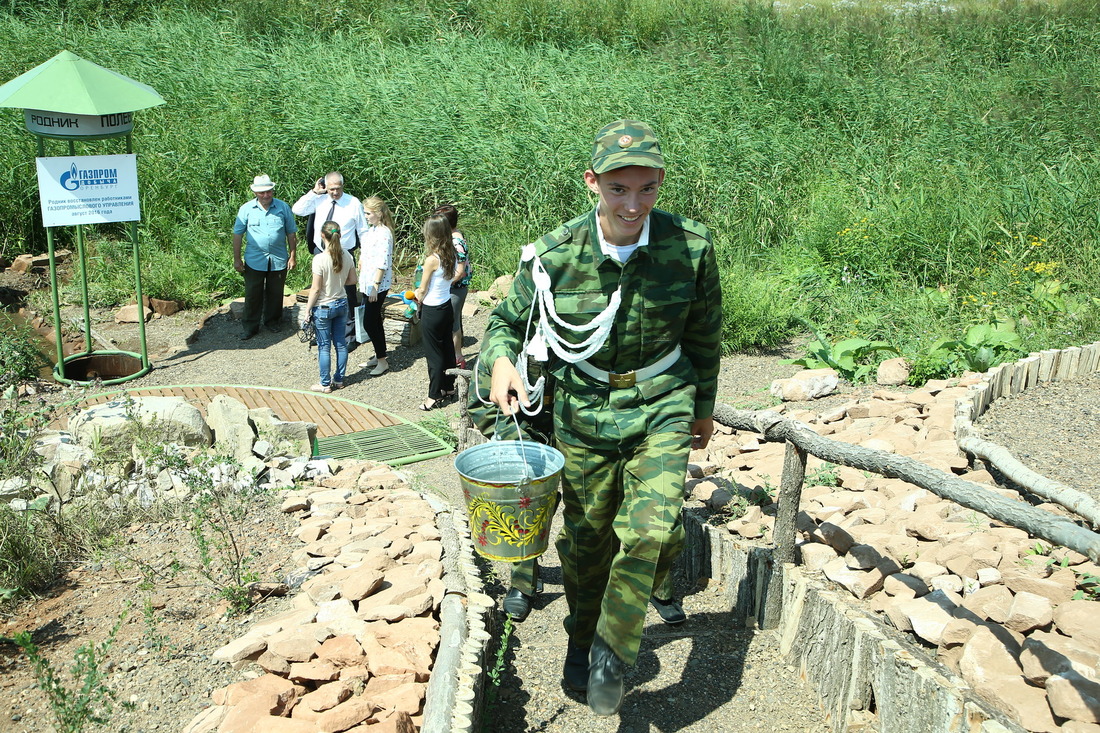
(511, 491)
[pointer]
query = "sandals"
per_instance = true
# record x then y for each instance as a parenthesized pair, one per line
(322, 388)
(425, 407)
(337, 385)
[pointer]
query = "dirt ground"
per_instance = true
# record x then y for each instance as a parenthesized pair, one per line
(160, 660)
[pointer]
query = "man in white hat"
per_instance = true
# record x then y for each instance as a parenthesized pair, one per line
(267, 225)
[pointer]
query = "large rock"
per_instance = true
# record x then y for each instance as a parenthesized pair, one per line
(929, 615)
(233, 429)
(131, 314)
(17, 487)
(858, 582)
(893, 372)
(119, 423)
(808, 384)
(1074, 696)
(1028, 612)
(1047, 653)
(1079, 620)
(295, 438)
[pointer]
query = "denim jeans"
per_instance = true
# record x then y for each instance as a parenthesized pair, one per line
(330, 320)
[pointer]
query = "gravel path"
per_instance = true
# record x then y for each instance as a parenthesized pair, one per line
(1054, 429)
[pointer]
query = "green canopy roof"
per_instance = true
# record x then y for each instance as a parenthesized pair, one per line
(69, 84)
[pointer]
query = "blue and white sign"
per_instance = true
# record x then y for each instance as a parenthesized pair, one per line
(88, 189)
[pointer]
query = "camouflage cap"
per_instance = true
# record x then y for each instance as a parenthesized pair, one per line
(623, 143)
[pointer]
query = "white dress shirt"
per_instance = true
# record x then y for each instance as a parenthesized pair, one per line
(348, 213)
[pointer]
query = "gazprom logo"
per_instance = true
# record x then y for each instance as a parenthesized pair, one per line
(74, 178)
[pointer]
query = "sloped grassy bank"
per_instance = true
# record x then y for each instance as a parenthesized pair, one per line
(889, 171)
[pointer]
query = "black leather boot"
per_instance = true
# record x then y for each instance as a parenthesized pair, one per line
(575, 671)
(517, 604)
(605, 679)
(670, 611)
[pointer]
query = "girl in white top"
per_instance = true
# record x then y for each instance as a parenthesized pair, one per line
(441, 268)
(376, 278)
(460, 286)
(327, 305)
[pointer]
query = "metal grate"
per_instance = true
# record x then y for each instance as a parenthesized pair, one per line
(393, 444)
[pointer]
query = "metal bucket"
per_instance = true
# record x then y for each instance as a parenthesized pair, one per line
(511, 490)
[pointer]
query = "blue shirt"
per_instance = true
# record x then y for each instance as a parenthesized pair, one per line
(265, 233)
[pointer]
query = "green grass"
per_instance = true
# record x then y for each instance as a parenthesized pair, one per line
(845, 158)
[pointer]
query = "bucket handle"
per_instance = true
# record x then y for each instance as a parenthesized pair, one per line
(525, 479)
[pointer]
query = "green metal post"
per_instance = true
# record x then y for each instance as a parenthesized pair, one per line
(53, 283)
(137, 275)
(83, 275)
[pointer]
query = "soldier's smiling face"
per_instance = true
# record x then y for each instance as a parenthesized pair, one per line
(627, 195)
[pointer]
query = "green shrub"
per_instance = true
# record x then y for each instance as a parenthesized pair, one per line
(85, 700)
(757, 312)
(20, 359)
(30, 552)
(936, 365)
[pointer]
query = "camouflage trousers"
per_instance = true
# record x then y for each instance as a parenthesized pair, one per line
(622, 531)
(525, 577)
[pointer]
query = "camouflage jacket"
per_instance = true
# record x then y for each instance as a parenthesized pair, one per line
(670, 295)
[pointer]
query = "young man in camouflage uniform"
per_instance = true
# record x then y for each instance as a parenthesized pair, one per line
(525, 584)
(627, 417)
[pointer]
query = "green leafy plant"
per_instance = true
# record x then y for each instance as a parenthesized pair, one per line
(87, 700)
(988, 344)
(33, 546)
(21, 421)
(217, 516)
(741, 501)
(984, 346)
(155, 639)
(851, 357)
(976, 523)
(827, 474)
(1088, 587)
(440, 427)
(938, 364)
(496, 672)
(20, 359)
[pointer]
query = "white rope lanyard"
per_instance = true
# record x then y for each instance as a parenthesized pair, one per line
(535, 344)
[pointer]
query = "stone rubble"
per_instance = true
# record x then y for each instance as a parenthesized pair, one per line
(356, 651)
(1003, 611)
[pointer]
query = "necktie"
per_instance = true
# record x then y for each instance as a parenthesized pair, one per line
(331, 212)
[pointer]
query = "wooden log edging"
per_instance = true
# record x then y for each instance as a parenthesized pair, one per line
(1037, 522)
(454, 698)
(1051, 365)
(852, 659)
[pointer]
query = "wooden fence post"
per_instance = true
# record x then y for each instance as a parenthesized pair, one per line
(784, 536)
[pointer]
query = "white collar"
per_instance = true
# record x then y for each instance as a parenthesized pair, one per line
(621, 253)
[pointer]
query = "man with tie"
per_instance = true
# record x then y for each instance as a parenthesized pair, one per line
(326, 201)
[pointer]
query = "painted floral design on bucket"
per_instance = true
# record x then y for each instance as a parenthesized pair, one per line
(520, 526)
